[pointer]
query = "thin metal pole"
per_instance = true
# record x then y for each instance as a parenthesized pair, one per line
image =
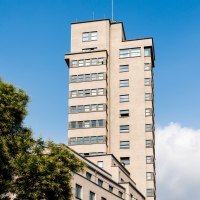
(112, 11)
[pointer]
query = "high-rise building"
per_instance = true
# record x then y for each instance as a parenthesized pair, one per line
(111, 99)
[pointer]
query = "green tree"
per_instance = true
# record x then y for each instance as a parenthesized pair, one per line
(30, 168)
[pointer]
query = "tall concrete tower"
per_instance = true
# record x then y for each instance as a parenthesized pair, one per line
(111, 98)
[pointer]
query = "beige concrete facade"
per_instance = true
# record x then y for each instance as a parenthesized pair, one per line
(108, 76)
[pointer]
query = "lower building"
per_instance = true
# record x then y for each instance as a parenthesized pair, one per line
(104, 178)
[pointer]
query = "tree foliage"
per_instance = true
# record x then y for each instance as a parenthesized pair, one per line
(30, 168)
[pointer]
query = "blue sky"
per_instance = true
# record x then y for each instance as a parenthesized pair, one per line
(35, 34)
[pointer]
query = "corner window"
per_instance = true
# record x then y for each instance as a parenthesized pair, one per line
(100, 107)
(148, 127)
(149, 176)
(78, 191)
(147, 81)
(124, 113)
(100, 91)
(100, 139)
(148, 143)
(123, 68)
(147, 51)
(148, 96)
(149, 159)
(124, 144)
(100, 123)
(147, 66)
(124, 83)
(125, 160)
(150, 193)
(100, 76)
(72, 141)
(148, 112)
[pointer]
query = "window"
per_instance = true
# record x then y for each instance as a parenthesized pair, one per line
(73, 78)
(102, 198)
(80, 78)
(124, 98)
(87, 108)
(100, 76)
(78, 191)
(148, 96)
(87, 124)
(80, 124)
(147, 66)
(80, 93)
(131, 197)
(93, 140)
(100, 107)
(147, 51)
(87, 93)
(79, 140)
(100, 61)
(135, 52)
(149, 159)
(120, 194)
(87, 62)
(148, 111)
(74, 63)
(124, 83)
(148, 143)
(124, 113)
(86, 140)
(93, 35)
(124, 144)
(72, 140)
(124, 128)
(89, 49)
(124, 53)
(147, 81)
(85, 37)
(100, 164)
(88, 175)
(110, 188)
(100, 123)
(123, 68)
(94, 92)
(100, 91)
(125, 160)
(81, 63)
(94, 61)
(93, 123)
(73, 93)
(80, 108)
(100, 139)
(73, 124)
(92, 195)
(87, 77)
(73, 109)
(149, 176)
(148, 127)
(93, 107)
(150, 193)
(100, 182)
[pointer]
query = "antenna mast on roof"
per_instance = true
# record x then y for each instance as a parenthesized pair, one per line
(112, 10)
